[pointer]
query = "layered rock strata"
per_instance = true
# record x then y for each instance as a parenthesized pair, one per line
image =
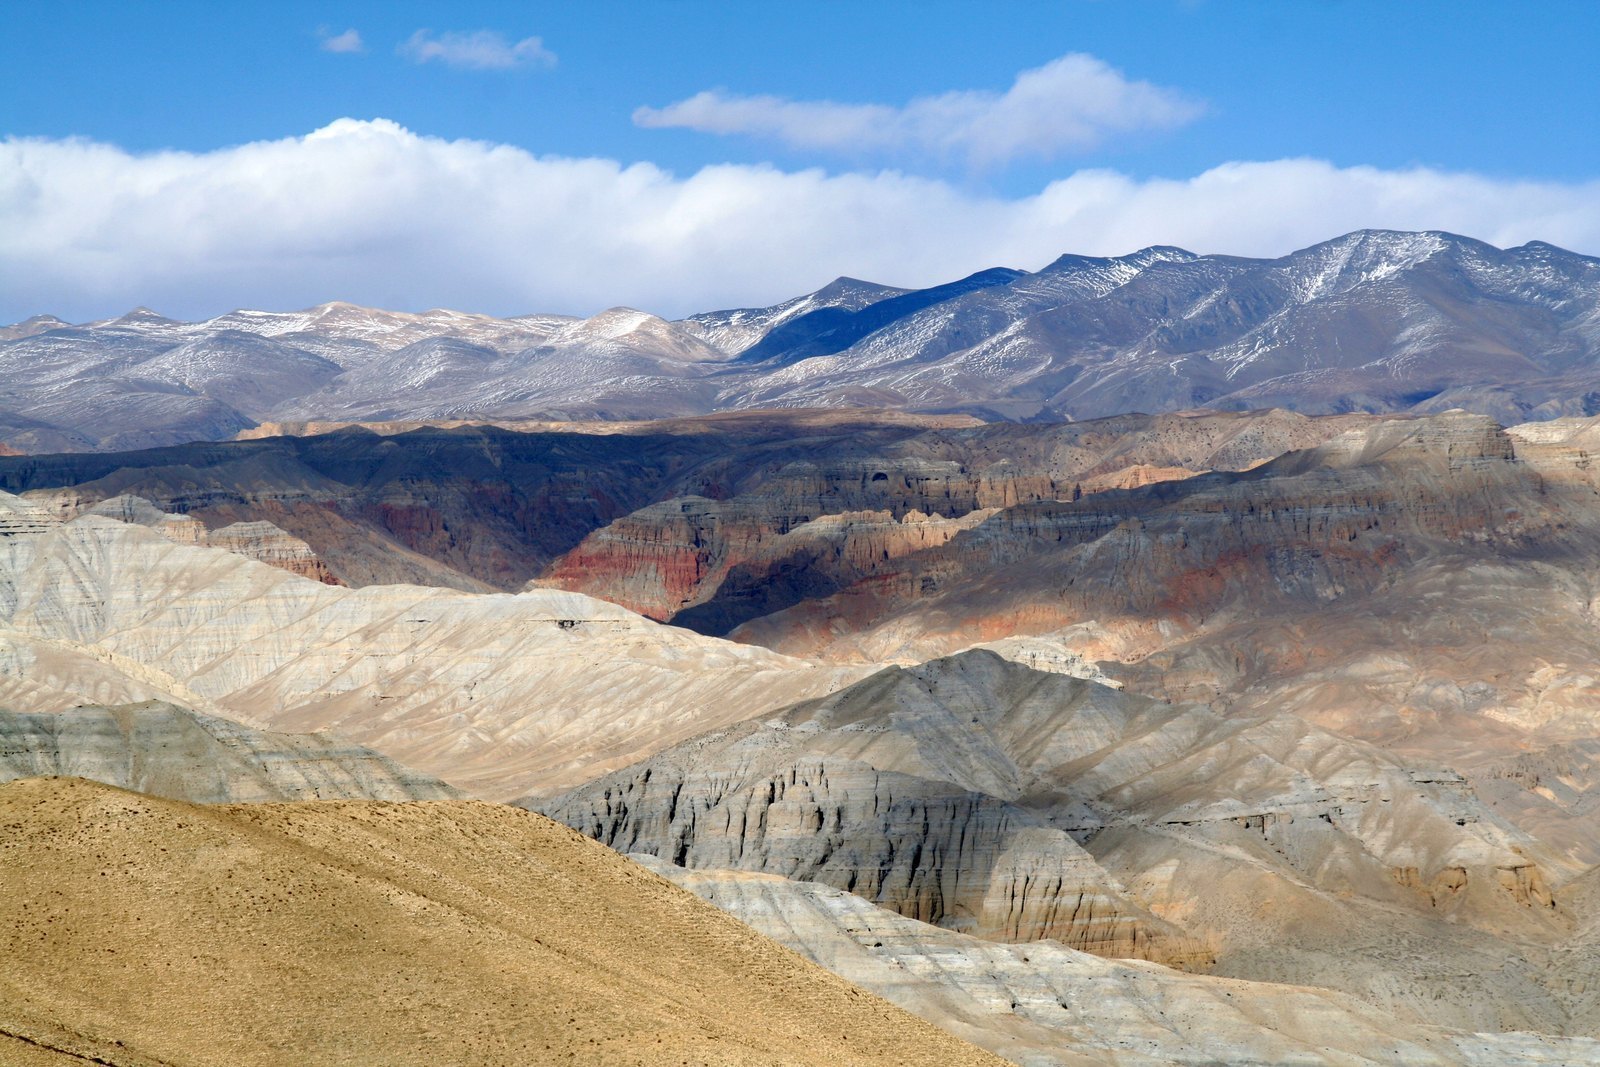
(815, 527)
(981, 796)
(260, 541)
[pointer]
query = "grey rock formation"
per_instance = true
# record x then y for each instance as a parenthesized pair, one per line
(173, 752)
(981, 796)
(1045, 1005)
(902, 788)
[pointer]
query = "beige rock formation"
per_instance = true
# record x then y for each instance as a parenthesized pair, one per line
(173, 752)
(264, 542)
(497, 694)
(260, 541)
(137, 931)
(18, 516)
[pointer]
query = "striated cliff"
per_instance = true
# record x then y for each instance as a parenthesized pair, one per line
(1046, 1005)
(260, 541)
(479, 506)
(1404, 580)
(819, 524)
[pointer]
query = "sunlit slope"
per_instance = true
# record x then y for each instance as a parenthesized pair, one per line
(136, 930)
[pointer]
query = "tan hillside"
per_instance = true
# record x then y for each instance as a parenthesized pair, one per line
(136, 930)
(499, 695)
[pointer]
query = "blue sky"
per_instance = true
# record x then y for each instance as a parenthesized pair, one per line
(1142, 120)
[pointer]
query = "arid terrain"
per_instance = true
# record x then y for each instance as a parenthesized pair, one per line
(1218, 733)
(1289, 714)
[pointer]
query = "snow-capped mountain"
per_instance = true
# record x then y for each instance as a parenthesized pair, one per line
(1374, 320)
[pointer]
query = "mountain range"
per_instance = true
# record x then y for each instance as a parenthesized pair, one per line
(1374, 321)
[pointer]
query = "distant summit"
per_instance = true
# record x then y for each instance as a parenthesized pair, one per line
(1373, 321)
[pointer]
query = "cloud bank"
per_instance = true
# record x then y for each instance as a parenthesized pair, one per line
(369, 212)
(1069, 104)
(477, 50)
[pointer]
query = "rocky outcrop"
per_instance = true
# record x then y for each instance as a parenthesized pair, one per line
(472, 506)
(1405, 581)
(173, 752)
(809, 529)
(19, 517)
(697, 503)
(922, 848)
(880, 791)
(265, 543)
(669, 560)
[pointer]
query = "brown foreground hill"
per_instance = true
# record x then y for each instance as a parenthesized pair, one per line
(137, 931)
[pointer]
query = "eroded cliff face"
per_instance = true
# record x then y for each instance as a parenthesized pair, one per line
(1305, 529)
(710, 566)
(654, 515)
(265, 543)
(260, 541)
(982, 796)
(1045, 1005)
(1403, 581)
(922, 848)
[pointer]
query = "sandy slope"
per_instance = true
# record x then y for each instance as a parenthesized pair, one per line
(136, 930)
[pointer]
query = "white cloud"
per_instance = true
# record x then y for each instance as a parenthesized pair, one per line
(348, 41)
(1067, 105)
(369, 212)
(477, 50)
